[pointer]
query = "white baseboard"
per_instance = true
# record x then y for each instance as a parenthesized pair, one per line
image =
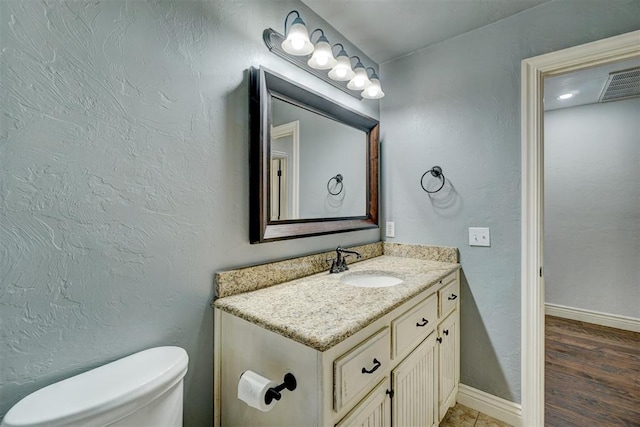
(496, 407)
(596, 317)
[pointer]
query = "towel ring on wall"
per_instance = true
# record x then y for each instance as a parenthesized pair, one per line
(338, 178)
(436, 172)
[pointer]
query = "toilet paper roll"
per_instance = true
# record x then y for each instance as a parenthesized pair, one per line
(252, 388)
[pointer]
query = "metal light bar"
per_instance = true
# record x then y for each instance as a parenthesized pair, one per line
(274, 40)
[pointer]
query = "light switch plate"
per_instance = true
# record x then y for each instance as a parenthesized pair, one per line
(479, 236)
(390, 229)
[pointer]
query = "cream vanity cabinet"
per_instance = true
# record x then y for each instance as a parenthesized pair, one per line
(400, 370)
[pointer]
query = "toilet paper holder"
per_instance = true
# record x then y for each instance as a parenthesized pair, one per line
(273, 393)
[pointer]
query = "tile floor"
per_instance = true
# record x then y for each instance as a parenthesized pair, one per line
(461, 416)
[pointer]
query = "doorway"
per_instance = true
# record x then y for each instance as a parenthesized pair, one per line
(592, 245)
(285, 172)
(279, 185)
(534, 70)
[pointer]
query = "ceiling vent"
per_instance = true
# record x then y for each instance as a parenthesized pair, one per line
(621, 85)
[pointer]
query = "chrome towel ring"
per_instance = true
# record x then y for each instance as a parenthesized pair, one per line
(436, 172)
(338, 178)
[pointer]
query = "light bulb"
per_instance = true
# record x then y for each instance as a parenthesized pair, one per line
(565, 96)
(297, 43)
(322, 60)
(341, 72)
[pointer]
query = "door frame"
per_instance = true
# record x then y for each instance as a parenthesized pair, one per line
(292, 129)
(534, 70)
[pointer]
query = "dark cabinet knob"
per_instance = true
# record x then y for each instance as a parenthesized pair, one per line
(446, 332)
(452, 297)
(439, 339)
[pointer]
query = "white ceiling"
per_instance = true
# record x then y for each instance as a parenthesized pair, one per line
(388, 29)
(586, 85)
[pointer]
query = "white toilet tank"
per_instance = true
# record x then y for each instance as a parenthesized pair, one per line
(144, 389)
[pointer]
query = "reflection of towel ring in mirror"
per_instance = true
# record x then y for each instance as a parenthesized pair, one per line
(338, 178)
(436, 172)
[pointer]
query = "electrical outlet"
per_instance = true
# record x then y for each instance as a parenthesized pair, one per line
(390, 229)
(479, 236)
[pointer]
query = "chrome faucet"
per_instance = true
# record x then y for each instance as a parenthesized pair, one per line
(339, 263)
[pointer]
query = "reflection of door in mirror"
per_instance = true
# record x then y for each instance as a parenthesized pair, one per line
(326, 148)
(285, 160)
(279, 193)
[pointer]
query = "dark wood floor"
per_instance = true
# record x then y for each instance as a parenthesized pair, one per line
(592, 375)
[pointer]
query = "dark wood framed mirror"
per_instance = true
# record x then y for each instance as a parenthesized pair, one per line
(313, 162)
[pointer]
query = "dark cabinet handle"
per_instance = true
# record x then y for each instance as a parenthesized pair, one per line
(376, 365)
(452, 297)
(446, 332)
(424, 323)
(439, 339)
(390, 393)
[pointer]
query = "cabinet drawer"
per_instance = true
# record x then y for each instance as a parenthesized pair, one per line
(409, 329)
(448, 297)
(360, 369)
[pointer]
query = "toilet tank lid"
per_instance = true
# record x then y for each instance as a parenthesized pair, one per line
(134, 380)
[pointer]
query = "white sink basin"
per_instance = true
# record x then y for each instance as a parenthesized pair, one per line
(370, 279)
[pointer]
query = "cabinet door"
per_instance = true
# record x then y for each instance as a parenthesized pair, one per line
(415, 387)
(449, 295)
(448, 362)
(373, 411)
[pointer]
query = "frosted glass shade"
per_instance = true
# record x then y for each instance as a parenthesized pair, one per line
(342, 71)
(360, 80)
(374, 91)
(322, 58)
(297, 41)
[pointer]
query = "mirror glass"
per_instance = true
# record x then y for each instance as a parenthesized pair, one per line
(313, 162)
(318, 165)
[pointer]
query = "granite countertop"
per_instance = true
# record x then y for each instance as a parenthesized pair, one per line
(320, 311)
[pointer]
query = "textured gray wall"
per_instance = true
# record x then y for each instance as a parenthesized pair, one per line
(592, 207)
(457, 104)
(124, 180)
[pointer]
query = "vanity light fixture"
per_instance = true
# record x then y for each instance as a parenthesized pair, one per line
(342, 71)
(322, 58)
(375, 90)
(296, 46)
(360, 80)
(565, 96)
(297, 38)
